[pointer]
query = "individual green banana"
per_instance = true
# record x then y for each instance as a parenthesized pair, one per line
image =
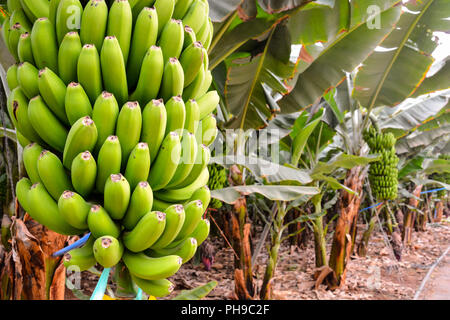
(68, 54)
(27, 76)
(138, 165)
(175, 216)
(141, 203)
(154, 121)
(138, 5)
(104, 114)
(201, 162)
(192, 61)
(120, 25)
(49, 128)
(113, 69)
(194, 90)
(82, 137)
(68, 18)
(189, 149)
(145, 34)
(203, 33)
(166, 162)
(117, 196)
(176, 115)
(81, 259)
(186, 250)
(53, 7)
(52, 173)
(164, 8)
(173, 80)
(14, 37)
(201, 233)
(172, 39)
(150, 77)
(196, 16)
(74, 209)
(208, 103)
(208, 131)
(30, 157)
(11, 77)
(108, 251)
(156, 288)
(27, 11)
(160, 205)
(100, 223)
(181, 8)
(146, 232)
(83, 173)
(23, 141)
(19, 16)
(24, 50)
(189, 37)
(128, 129)
(89, 72)
(194, 212)
(77, 103)
(44, 44)
(44, 210)
(23, 187)
(209, 38)
(6, 29)
(149, 268)
(108, 161)
(39, 8)
(12, 5)
(94, 22)
(11, 104)
(204, 195)
(185, 193)
(192, 116)
(53, 90)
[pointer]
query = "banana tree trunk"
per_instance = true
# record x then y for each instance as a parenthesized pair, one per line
(410, 217)
(364, 242)
(439, 211)
(319, 242)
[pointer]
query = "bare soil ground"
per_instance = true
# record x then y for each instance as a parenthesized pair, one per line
(379, 276)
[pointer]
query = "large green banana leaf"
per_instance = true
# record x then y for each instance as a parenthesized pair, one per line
(418, 140)
(440, 80)
(393, 72)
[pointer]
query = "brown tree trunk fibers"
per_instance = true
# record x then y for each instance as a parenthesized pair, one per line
(439, 211)
(29, 271)
(408, 224)
(364, 242)
(422, 217)
(342, 241)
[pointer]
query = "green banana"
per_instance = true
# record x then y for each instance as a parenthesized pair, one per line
(176, 115)
(205, 85)
(104, 114)
(166, 162)
(77, 103)
(138, 5)
(156, 288)
(120, 25)
(27, 11)
(68, 18)
(12, 5)
(175, 216)
(6, 29)
(181, 8)
(53, 7)
(39, 8)
(82, 136)
(201, 162)
(19, 16)
(46, 124)
(150, 77)
(189, 149)
(108, 251)
(81, 259)
(159, 205)
(149, 268)
(209, 130)
(23, 187)
(154, 121)
(83, 173)
(108, 161)
(14, 37)
(201, 233)
(53, 90)
(12, 105)
(89, 72)
(204, 195)
(74, 209)
(172, 80)
(11, 77)
(146, 232)
(117, 196)
(189, 37)
(44, 44)
(172, 39)
(52, 173)
(138, 165)
(186, 250)
(192, 116)
(145, 34)
(94, 22)
(203, 33)
(194, 90)
(141, 202)
(22, 140)
(194, 212)
(192, 61)
(210, 36)
(196, 16)
(113, 69)
(164, 8)
(30, 157)
(43, 209)
(27, 76)
(24, 50)
(68, 54)
(128, 128)
(208, 103)
(100, 223)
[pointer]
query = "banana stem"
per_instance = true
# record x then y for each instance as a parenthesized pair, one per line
(100, 289)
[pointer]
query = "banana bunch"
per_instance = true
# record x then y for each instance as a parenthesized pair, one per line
(217, 180)
(111, 102)
(383, 174)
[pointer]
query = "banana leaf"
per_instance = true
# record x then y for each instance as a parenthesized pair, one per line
(197, 293)
(439, 80)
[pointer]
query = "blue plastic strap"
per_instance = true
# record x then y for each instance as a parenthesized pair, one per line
(139, 295)
(74, 245)
(429, 191)
(375, 205)
(100, 288)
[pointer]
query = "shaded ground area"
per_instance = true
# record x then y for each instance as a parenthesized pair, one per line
(379, 276)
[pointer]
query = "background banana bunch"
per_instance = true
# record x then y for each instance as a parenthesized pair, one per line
(383, 174)
(111, 103)
(217, 180)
